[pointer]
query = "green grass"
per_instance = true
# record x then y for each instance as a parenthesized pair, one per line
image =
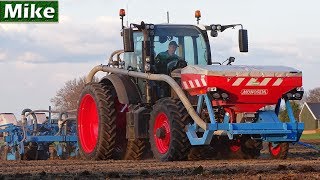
(310, 136)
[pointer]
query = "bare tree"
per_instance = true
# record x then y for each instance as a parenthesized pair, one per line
(312, 95)
(68, 96)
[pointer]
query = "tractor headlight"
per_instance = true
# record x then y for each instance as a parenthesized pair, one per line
(219, 27)
(294, 94)
(224, 96)
(217, 94)
(297, 95)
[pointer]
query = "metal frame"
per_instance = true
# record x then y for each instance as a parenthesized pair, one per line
(268, 125)
(17, 137)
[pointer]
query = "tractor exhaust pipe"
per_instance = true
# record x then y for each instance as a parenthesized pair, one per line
(154, 77)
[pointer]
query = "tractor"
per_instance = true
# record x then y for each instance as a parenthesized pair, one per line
(187, 107)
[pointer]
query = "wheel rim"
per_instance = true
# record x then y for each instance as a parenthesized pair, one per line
(235, 145)
(274, 150)
(88, 123)
(163, 143)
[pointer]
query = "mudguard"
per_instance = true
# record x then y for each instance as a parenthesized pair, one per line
(127, 90)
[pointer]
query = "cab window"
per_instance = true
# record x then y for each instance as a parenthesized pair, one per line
(192, 46)
(133, 60)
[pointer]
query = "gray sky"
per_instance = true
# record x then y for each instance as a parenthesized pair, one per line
(37, 59)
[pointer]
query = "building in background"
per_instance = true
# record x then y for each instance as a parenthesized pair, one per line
(310, 115)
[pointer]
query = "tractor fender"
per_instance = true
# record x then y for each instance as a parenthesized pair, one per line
(127, 91)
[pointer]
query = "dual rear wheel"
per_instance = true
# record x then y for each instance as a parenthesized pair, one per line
(101, 125)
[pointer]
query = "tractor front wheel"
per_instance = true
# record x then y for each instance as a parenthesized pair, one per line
(168, 139)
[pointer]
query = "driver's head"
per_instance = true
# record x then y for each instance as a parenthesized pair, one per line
(172, 47)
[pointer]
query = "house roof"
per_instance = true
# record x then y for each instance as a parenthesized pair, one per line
(314, 109)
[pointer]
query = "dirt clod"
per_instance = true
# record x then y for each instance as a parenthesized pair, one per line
(197, 170)
(144, 172)
(281, 167)
(307, 169)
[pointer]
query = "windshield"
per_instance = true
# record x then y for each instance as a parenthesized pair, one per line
(192, 46)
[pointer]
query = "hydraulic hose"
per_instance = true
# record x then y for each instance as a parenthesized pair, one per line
(24, 114)
(154, 77)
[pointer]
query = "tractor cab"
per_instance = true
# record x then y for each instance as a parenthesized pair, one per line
(146, 46)
(190, 43)
(168, 48)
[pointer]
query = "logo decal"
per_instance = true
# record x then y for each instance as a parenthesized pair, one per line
(254, 92)
(29, 11)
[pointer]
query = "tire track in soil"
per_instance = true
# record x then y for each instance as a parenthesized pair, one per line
(303, 163)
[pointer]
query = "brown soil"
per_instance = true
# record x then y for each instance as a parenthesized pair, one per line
(302, 163)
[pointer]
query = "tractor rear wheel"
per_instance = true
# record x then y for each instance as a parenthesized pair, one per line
(96, 122)
(135, 149)
(279, 151)
(124, 148)
(168, 139)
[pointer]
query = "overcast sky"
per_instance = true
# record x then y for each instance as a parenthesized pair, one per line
(37, 59)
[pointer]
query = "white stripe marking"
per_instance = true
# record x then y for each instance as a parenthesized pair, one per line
(265, 82)
(191, 84)
(238, 82)
(185, 84)
(278, 82)
(204, 83)
(197, 83)
(252, 82)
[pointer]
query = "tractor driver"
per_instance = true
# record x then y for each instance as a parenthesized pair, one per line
(164, 58)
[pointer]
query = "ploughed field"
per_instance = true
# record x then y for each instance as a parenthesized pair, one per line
(302, 163)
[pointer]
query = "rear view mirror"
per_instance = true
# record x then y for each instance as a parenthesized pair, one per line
(128, 44)
(243, 40)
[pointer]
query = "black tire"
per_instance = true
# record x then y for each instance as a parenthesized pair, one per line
(135, 149)
(178, 146)
(104, 145)
(280, 151)
(124, 148)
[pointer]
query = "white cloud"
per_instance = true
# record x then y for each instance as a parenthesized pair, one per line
(62, 42)
(3, 56)
(14, 27)
(30, 57)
